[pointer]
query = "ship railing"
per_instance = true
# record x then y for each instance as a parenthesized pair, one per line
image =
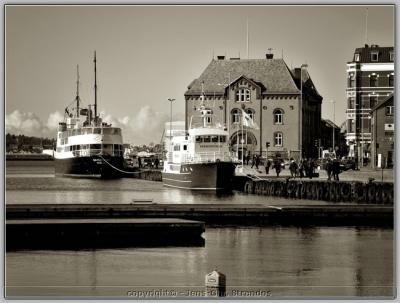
(96, 152)
(206, 157)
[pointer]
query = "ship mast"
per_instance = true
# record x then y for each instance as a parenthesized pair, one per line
(95, 88)
(77, 91)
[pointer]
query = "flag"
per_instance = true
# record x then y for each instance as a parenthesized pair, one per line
(248, 121)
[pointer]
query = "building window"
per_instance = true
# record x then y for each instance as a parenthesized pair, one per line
(373, 80)
(352, 126)
(250, 112)
(278, 116)
(391, 56)
(373, 100)
(389, 110)
(391, 80)
(357, 57)
(374, 56)
(243, 95)
(352, 80)
(235, 115)
(278, 139)
(351, 103)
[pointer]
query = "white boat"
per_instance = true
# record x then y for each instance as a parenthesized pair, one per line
(87, 146)
(200, 159)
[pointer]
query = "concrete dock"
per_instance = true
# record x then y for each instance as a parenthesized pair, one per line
(215, 214)
(69, 233)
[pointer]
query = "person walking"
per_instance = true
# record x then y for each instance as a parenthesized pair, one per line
(336, 169)
(267, 166)
(293, 168)
(248, 158)
(277, 166)
(328, 169)
(301, 168)
(253, 161)
(156, 163)
(257, 161)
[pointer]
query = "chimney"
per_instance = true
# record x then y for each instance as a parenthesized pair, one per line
(366, 45)
(269, 56)
(220, 57)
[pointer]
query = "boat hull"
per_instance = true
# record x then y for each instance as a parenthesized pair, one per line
(90, 167)
(202, 176)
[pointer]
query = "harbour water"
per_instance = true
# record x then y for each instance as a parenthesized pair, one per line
(259, 261)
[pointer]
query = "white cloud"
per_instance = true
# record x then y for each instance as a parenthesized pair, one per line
(144, 127)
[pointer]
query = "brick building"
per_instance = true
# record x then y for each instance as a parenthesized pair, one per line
(383, 135)
(370, 80)
(268, 91)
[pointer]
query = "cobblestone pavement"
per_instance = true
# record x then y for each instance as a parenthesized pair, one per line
(350, 175)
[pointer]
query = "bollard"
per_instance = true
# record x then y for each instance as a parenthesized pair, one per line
(215, 284)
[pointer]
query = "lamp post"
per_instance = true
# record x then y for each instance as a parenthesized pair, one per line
(301, 110)
(333, 126)
(170, 122)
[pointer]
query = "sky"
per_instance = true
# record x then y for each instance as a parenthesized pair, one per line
(147, 54)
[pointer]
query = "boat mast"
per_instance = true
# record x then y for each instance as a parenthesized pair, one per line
(95, 88)
(77, 91)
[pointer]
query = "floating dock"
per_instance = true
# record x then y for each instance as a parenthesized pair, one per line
(69, 233)
(215, 214)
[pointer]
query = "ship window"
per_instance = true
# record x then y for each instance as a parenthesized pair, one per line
(198, 139)
(97, 130)
(214, 139)
(95, 146)
(177, 147)
(206, 139)
(185, 147)
(222, 139)
(59, 149)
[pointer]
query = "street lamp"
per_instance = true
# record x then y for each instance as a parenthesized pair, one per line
(170, 122)
(333, 126)
(301, 110)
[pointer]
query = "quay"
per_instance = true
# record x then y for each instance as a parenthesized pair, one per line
(216, 214)
(101, 232)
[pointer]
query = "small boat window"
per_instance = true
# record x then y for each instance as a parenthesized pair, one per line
(222, 139)
(206, 139)
(199, 139)
(214, 139)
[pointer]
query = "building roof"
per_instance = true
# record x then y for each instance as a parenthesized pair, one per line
(365, 53)
(273, 74)
(382, 103)
(329, 123)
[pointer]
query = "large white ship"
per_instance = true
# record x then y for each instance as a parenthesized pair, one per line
(200, 159)
(87, 146)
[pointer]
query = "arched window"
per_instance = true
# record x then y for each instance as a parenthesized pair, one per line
(235, 115)
(250, 112)
(243, 95)
(278, 139)
(278, 116)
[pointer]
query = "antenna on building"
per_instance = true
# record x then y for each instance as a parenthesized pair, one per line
(366, 26)
(247, 38)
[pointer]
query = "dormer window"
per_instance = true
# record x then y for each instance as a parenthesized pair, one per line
(391, 56)
(357, 57)
(243, 95)
(374, 56)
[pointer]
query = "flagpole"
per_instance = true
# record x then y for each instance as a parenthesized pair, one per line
(242, 143)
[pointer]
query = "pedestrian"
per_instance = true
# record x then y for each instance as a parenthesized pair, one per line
(248, 158)
(305, 167)
(253, 161)
(257, 161)
(293, 167)
(311, 168)
(336, 169)
(267, 166)
(301, 168)
(277, 166)
(156, 163)
(328, 169)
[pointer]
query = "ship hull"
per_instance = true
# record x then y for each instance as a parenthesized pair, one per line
(202, 176)
(90, 167)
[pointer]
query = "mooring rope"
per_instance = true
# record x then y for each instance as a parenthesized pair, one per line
(120, 170)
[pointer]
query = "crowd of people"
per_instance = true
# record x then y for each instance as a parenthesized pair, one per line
(305, 168)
